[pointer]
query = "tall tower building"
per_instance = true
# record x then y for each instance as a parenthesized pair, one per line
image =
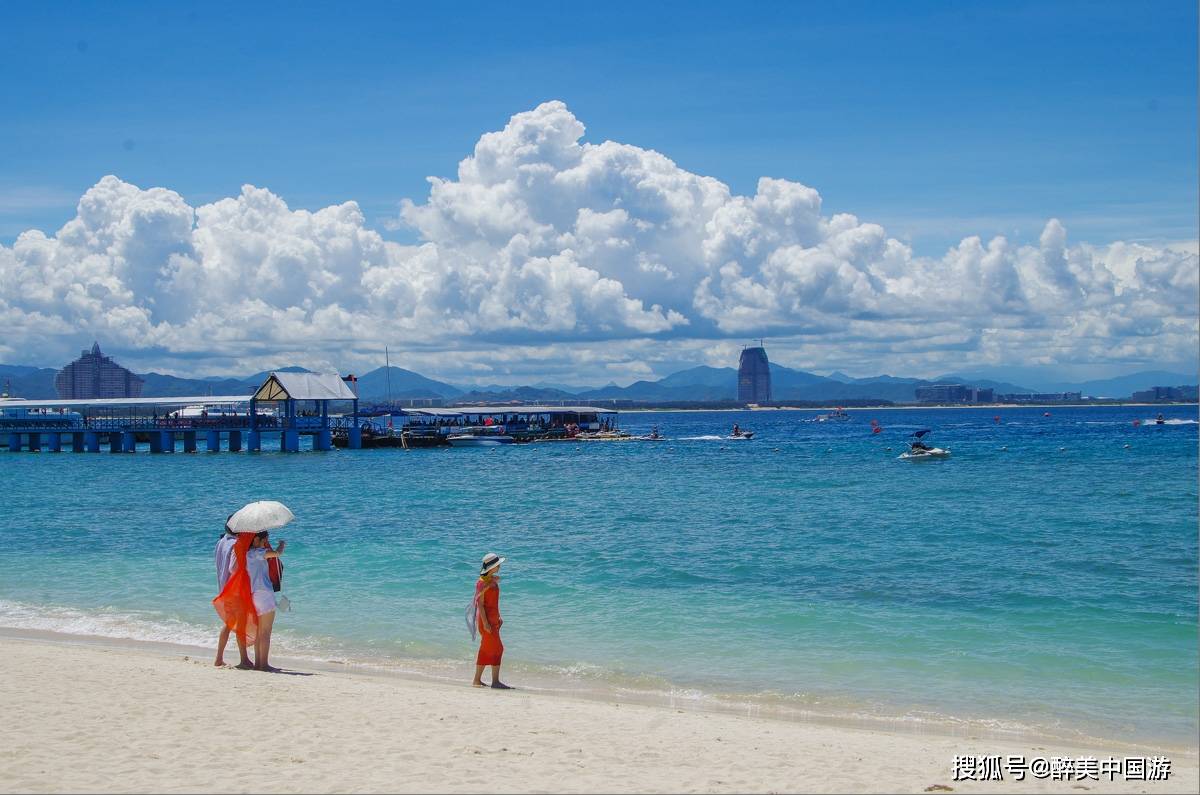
(94, 375)
(754, 376)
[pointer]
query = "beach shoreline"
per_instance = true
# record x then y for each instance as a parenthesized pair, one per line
(96, 704)
(550, 682)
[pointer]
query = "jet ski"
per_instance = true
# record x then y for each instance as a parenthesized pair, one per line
(919, 451)
(653, 436)
(741, 435)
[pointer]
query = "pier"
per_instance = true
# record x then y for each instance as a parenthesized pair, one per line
(291, 405)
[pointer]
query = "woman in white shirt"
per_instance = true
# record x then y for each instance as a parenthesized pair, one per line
(264, 595)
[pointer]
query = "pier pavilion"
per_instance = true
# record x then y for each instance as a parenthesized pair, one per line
(290, 404)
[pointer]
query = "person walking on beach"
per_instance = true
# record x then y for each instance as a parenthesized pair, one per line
(487, 611)
(247, 602)
(263, 595)
(225, 562)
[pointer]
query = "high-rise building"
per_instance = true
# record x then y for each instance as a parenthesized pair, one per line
(754, 376)
(94, 375)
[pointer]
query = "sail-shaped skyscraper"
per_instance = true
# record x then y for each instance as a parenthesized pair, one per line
(754, 376)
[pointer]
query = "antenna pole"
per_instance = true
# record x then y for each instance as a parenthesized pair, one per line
(387, 361)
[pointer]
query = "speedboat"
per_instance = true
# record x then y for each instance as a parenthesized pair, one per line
(919, 451)
(924, 454)
(478, 440)
(837, 415)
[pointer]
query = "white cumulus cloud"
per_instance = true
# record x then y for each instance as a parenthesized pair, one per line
(547, 246)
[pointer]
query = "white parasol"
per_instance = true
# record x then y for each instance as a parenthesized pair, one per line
(259, 516)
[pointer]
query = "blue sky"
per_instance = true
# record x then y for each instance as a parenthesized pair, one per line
(937, 120)
(1023, 177)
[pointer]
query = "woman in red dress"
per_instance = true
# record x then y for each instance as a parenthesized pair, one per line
(487, 611)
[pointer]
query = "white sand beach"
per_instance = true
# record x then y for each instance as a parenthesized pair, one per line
(113, 717)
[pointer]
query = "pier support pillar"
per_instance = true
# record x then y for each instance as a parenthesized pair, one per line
(54, 442)
(323, 440)
(254, 441)
(14, 443)
(156, 442)
(213, 441)
(354, 439)
(235, 441)
(128, 441)
(35, 442)
(189, 441)
(91, 441)
(77, 442)
(291, 440)
(114, 442)
(168, 441)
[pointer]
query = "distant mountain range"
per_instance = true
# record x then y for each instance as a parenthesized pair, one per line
(696, 384)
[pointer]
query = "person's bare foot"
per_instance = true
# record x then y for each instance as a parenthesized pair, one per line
(478, 684)
(245, 666)
(219, 663)
(500, 686)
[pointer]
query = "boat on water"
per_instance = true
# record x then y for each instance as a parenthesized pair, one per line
(1160, 420)
(919, 451)
(738, 433)
(653, 436)
(602, 436)
(478, 440)
(837, 415)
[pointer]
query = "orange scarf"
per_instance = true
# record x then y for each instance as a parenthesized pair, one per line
(235, 603)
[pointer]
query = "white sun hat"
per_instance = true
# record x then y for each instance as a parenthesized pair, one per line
(490, 562)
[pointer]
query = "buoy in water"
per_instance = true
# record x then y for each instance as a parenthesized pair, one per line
(887, 449)
(1046, 414)
(1005, 447)
(829, 449)
(1062, 449)
(1126, 447)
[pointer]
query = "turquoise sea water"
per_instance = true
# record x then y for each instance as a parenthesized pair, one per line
(1033, 587)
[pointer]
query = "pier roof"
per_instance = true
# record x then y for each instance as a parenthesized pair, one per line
(534, 410)
(304, 386)
(194, 400)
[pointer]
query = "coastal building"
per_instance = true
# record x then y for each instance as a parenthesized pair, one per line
(1156, 393)
(93, 376)
(1043, 397)
(954, 393)
(754, 376)
(943, 393)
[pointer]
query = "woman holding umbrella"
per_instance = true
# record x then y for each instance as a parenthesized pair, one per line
(247, 602)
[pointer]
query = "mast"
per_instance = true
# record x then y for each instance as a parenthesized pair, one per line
(388, 372)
